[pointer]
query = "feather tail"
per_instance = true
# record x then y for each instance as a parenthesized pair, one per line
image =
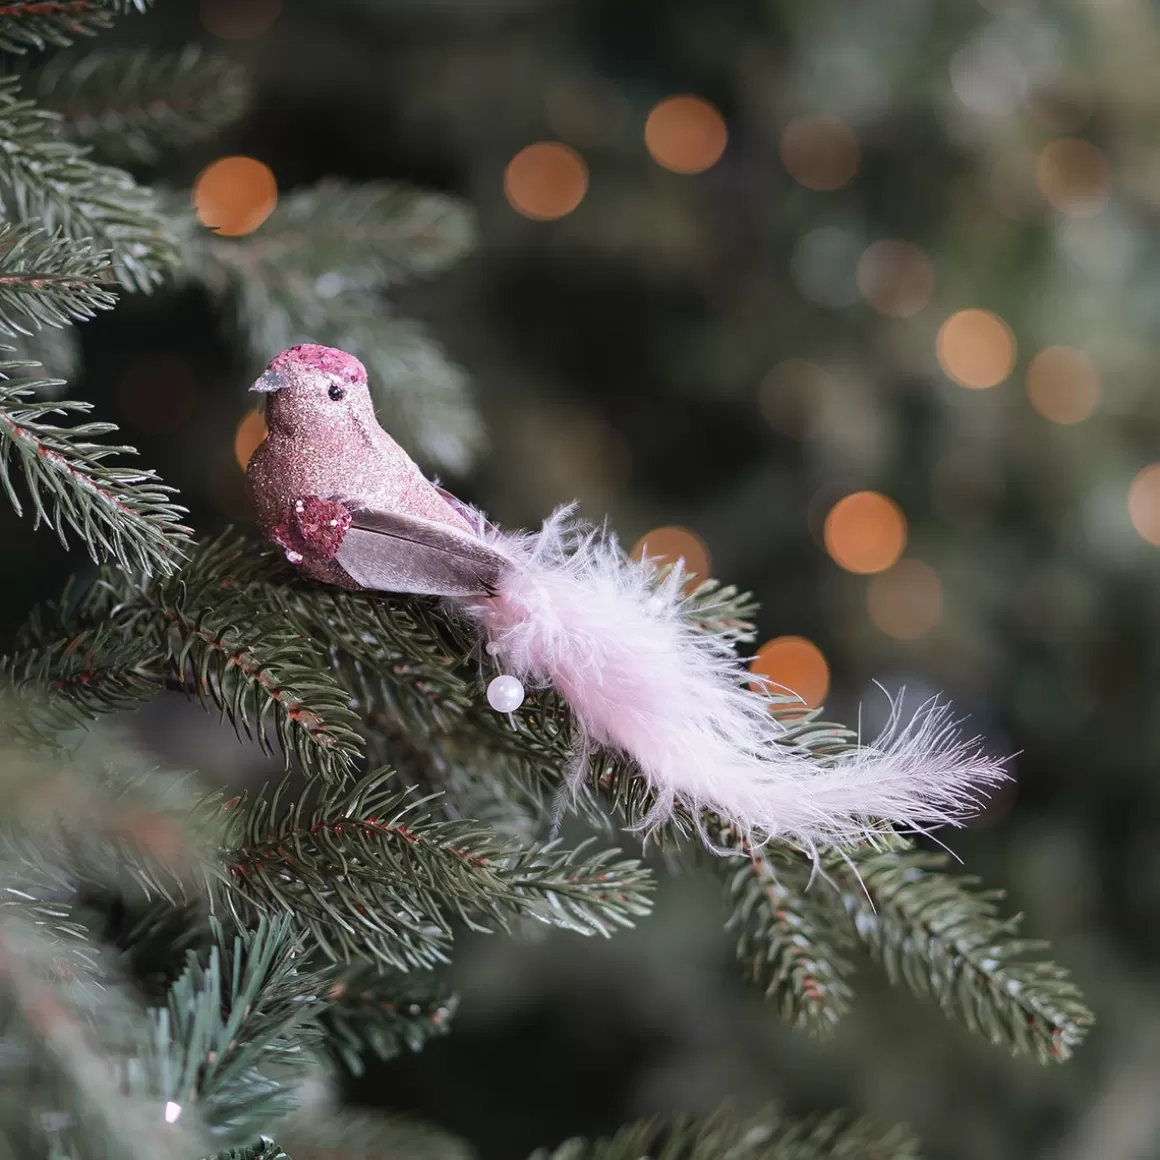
(574, 612)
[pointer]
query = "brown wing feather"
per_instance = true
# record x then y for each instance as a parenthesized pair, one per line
(390, 552)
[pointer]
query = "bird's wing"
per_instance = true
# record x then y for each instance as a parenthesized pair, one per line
(392, 552)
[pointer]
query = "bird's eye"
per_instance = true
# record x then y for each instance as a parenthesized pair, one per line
(336, 392)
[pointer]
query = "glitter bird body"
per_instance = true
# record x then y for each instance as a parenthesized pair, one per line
(565, 607)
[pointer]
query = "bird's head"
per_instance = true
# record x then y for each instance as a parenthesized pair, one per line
(315, 388)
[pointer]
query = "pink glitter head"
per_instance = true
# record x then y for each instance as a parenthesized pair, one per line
(322, 358)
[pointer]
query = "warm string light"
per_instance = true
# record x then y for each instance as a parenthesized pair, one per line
(239, 19)
(685, 134)
(235, 195)
(1074, 176)
(1063, 384)
(976, 349)
(819, 152)
(1144, 504)
(905, 601)
(895, 277)
(865, 532)
(669, 544)
(545, 181)
(791, 666)
(249, 436)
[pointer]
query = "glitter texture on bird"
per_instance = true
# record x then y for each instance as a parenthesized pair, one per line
(566, 607)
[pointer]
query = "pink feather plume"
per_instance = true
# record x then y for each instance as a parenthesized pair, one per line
(575, 612)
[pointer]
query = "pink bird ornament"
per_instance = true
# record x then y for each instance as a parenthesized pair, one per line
(566, 607)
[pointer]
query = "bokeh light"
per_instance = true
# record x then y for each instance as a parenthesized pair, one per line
(895, 277)
(249, 436)
(865, 532)
(1074, 176)
(905, 602)
(1144, 503)
(1063, 384)
(545, 181)
(670, 544)
(792, 665)
(685, 134)
(976, 348)
(790, 394)
(820, 153)
(235, 195)
(239, 19)
(156, 394)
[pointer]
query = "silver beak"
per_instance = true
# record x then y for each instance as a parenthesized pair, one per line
(270, 381)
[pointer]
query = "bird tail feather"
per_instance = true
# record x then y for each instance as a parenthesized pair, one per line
(642, 680)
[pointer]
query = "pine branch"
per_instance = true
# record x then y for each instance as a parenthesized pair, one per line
(136, 105)
(360, 237)
(116, 511)
(235, 1036)
(72, 1030)
(26, 24)
(369, 874)
(46, 178)
(259, 675)
(945, 940)
(383, 1013)
(789, 945)
(49, 280)
(55, 350)
(103, 816)
(765, 1137)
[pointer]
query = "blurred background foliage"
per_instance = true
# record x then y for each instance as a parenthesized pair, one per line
(859, 301)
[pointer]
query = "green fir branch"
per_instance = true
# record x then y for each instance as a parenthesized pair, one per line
(133, 106)
(119, 512)
(788, 944)
(723, 1136)
(46, 178)
(384, 1013)
(49, 280)
(370, 874)
(26, 24)
(944, 939)
(74, 1029)
(235, 1036)
(242, 657)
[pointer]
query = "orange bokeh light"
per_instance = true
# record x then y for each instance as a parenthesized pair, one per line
(895, 277)
(545, 181)
(820, 153)
(976, 348)
(906, 601)
(1074, 176)
(1144, 504)
(250, 434)
(792, 665)
(235, 195)
(685, 134)
(1063, 384)
(239, 19)
(865, 532)
(670, 544)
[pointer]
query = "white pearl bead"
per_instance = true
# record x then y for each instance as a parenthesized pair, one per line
(505, 694)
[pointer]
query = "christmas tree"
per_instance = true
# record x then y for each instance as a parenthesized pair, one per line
(190, 971)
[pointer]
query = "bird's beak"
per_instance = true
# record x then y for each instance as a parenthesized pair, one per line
(270, 381)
